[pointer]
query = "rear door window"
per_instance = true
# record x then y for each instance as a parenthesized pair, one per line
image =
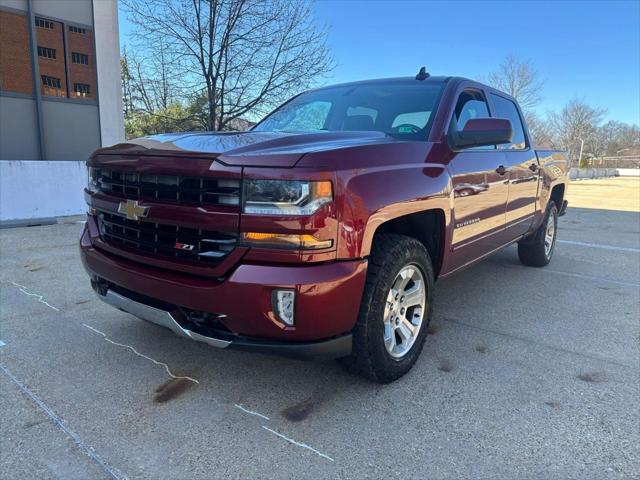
(505, 108)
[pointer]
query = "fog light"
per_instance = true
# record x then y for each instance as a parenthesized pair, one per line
(284, 303)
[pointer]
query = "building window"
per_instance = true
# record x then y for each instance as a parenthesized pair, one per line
(46, 52)
(73, 29)
(42, 23)
(80, 58)
(52, 82)
(81, 89)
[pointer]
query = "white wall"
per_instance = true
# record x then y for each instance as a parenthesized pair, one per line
(105, 15)
(629, 172)
(36, 189)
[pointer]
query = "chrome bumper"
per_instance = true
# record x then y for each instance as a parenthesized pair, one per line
(324, 349)
(157, 316)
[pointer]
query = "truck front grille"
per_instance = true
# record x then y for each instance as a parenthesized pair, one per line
(195, 245)
(168, 188)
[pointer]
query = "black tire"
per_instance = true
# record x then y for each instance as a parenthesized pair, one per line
(531, 250)
(370, 358)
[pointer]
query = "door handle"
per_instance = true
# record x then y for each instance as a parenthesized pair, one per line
(501, 170)
(533, 167)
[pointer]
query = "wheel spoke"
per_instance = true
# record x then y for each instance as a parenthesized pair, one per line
(405, 333)
(392, 294)
(389, 337)
(404, 277)
(415, 296)
(407, 324)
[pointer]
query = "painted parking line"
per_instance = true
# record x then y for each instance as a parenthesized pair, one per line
(2, 344)
(592, 277)
(601, 246)
(57, 421)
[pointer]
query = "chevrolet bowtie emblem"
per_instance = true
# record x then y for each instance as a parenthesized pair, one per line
(132, 210)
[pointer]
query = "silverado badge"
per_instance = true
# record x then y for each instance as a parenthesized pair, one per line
(132, 210)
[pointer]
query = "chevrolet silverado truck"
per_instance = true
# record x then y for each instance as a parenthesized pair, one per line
(321, 231)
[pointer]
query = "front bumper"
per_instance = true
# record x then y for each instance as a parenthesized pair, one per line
(327, 301)
(173, 320)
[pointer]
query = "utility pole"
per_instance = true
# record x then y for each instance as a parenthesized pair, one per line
(617, 157)
(581, 148)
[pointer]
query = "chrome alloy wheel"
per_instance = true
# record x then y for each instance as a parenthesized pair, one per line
(404, 311)
(549, 235)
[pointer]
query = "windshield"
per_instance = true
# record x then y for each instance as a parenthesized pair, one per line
(399, 109)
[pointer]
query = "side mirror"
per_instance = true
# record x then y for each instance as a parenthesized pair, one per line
(479, 132)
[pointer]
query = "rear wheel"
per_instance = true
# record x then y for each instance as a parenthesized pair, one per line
(537, 250)
(395, 310)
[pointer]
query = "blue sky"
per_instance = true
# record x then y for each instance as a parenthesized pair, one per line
(587, 49)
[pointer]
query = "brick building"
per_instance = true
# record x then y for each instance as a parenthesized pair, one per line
(60, 99)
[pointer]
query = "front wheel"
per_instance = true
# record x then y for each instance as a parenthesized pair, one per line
(395, 310)
(537, 250)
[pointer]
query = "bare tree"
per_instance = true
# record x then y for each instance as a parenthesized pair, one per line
(575, 127)
(153, 102)
(540, 130)
(618, 138)
(520, 80)
(127, 83)
(148, 85)
(244, 56)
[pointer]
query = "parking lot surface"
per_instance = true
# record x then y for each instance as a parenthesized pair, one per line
(526, 373)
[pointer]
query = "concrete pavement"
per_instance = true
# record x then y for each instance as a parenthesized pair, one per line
(527, 373)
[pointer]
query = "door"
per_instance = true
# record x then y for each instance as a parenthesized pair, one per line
(480, 188)
(522, 162)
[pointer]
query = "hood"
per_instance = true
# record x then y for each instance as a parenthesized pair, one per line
(246, 149)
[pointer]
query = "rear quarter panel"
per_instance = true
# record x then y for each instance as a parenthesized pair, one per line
(554, 171)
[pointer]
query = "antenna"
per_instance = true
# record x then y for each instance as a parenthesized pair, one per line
(422, 74)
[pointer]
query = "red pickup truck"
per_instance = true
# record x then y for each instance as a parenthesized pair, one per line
(321, 232)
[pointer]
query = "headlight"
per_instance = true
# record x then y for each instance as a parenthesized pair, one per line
(285, 197)
(92, 179)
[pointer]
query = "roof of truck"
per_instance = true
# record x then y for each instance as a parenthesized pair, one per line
(438, 79)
